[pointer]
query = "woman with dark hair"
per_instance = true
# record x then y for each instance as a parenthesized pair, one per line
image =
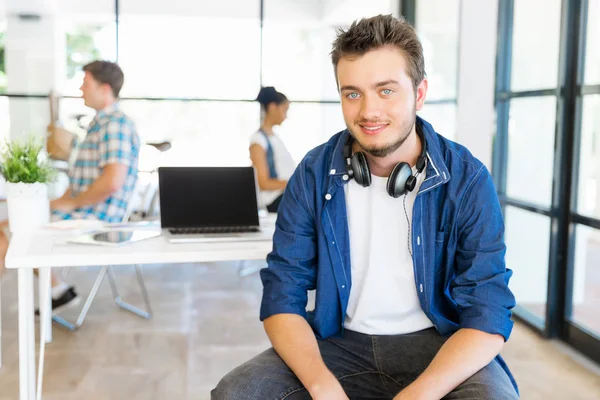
(271, 159)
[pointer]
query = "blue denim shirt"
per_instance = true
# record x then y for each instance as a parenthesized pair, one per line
(457, 240)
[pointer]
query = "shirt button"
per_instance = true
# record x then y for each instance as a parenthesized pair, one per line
(332, 242)
(418, 240)
(345, 177)
(421, 287)
(327, 196)
(343, 286)
(332, 172)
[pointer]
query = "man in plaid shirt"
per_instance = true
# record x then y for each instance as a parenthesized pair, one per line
(103, 176)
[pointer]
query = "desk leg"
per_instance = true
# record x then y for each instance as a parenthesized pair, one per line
(26, 335)
(45, 299)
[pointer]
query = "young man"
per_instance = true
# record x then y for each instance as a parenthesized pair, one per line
(401, 234)
(104, 174)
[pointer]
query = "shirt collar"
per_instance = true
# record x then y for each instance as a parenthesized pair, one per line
(436, 169)
(114, 107)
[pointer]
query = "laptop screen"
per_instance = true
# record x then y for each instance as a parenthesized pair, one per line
(196, 197)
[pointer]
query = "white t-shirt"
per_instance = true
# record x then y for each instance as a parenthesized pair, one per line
(284, 163)
(383, 299)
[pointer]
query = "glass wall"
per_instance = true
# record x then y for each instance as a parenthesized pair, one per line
(218, 54)
(547, 164)
(527, 106)
(297, 41)
(586, 185)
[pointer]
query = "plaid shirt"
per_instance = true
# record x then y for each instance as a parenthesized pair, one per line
(111, 139)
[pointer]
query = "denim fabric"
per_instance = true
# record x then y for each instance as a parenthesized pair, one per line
(368, 367)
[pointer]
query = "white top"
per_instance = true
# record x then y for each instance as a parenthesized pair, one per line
(284, 163)
(383, 299)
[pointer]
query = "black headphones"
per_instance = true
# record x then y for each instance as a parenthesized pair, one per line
(401, 179)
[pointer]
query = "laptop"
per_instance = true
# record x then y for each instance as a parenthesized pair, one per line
(209, 204)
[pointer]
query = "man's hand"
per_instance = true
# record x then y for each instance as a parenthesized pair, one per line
(64, 204)
(410, 394)
(332, 391)
(59, 142)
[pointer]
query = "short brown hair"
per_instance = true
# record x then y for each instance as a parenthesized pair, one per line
(373, 33)
(107, 72)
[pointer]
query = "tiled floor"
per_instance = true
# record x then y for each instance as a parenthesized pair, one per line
(205, 323)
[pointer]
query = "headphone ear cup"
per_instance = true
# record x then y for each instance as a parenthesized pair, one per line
(360, 167)
(397, 182)
(411, 182)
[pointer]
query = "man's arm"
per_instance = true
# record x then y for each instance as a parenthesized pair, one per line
(291, 271)
(258, 155)
(480, 289)
(59, 143)
(112, 179)
(466, 352)
(294, 341)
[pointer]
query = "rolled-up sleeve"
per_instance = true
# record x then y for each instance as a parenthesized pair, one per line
(480, 287)
(291, 269)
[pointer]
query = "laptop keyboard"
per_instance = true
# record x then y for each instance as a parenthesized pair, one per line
(221, 229)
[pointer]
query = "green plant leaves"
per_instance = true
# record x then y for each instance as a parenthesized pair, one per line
(23, 162)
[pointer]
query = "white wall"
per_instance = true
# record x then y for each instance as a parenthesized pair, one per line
(475, 122)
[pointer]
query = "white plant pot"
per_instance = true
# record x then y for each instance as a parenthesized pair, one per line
(28, 206)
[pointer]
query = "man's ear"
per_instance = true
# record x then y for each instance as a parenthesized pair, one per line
(107, 89)
(421, 94)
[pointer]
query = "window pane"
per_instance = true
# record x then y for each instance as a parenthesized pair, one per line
(531, 133)
(195, 128)
(196, 50)
(442, 117)
(592, 54)
(297, 40)
(86, 42)
(438, 27)
(535, 44)
(202, 133)
(586, 282)
(309, 125)
(588, 202)
(527, 247)
(296, 60)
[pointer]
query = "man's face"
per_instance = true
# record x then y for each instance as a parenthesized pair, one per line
(378, 99)
(92, 92)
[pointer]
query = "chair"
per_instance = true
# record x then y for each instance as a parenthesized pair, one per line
(107, 271)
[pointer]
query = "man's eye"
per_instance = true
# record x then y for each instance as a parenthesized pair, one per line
(352, 96)
(387, 91)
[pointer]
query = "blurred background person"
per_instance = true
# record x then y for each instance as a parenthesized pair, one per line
(273, 162)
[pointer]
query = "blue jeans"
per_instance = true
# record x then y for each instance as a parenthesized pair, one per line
(368, 367)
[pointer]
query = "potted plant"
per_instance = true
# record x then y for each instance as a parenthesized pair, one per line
(27, 171)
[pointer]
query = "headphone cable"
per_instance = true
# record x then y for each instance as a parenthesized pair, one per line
(408, 222)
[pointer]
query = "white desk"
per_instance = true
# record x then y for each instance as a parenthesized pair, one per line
(46, 249)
